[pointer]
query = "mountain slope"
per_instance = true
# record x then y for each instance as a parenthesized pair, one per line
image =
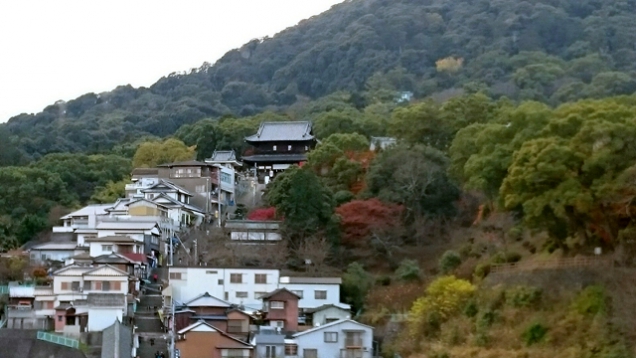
(548, 50)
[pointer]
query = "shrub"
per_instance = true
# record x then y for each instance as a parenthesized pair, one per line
(450, 260)
(342, 197)
(590, 301)
(444, 298)
(534, 334)
(408, 270)
(516, 233)
(465, 250)
(505, 257)
(356, 282)
(482, 270)
(486, 319)
(471, 309)
(523, 296)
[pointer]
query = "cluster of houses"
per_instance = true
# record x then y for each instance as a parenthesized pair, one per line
(248, 312)
(100, 255)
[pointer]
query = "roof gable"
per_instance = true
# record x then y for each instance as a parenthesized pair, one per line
(282, 131)
(281, 293)
(332, 324)
(105, 270)
(202, 326)
(207, 300)
(72, 270)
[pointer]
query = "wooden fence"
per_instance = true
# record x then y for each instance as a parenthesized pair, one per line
(570, 262)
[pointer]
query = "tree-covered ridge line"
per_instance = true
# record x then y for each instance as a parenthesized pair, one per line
(548, 50)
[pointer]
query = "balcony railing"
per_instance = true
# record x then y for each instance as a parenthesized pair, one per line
(353, 342)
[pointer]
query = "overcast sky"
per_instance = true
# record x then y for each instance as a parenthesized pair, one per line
(61, 49)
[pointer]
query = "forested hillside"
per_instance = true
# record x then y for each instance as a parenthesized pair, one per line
(547, 50)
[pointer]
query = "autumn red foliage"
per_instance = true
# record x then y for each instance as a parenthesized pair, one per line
(262, 214)
(360, 218)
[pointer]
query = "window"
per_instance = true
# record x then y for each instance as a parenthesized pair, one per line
(75, 285)
(186, 173)
(105, 285)
(107, 247)
(353, 339)
(331, 337)
(279, 324)
(289, 147)
(274, 148)
(291, 349)
(87, 285)
(175, 275)
(59, 318)
(65, 285)
(320, 295)
(310, 353)
(277, 305)
(235, 326)
(258, 295)
(226, 178)
(200, 189)
(306, 148)
(236, 278)
(270, 352)
(227, 295)
(260, 278)
(298, 293)
(220, 281)
(211, 272)
(241, 294)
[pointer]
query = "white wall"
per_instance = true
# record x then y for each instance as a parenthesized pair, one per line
(255, 236)
(196, 281)
(320, 317)
(102, 318)
(136, 235)
(308, 299)
(316, 340)
(57, 255)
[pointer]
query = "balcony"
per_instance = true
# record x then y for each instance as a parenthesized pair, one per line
(65, 229)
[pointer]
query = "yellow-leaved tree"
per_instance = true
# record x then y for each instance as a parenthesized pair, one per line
(152, 153)
(449, 64)
(445, 297)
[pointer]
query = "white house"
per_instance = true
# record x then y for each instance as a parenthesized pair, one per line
(84, 218)
(344, 338)
(54, 251)
(247, 285)
(328, 313)
(144, 232)
(237, 285)
(313, 291)
(103, 309)
(72, 287)
(108, 244)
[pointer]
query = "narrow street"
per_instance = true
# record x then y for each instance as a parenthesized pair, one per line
(152, 337)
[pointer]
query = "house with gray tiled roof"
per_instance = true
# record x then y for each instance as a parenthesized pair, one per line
(278, 145)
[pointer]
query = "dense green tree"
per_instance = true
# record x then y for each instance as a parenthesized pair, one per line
(83, 173)
(26, 197)
(303, 201)
(415, 177)
(110, 192)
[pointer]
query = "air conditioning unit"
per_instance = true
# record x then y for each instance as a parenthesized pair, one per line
(366, 349)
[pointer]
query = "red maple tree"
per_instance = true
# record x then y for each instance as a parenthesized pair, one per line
(360, 218)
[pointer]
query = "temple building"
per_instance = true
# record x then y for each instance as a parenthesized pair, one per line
(278, 145)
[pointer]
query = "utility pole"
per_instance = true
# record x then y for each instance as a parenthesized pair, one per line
(196, 256)
(173, 348)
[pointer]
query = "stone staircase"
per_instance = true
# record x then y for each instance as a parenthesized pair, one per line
(152, 337)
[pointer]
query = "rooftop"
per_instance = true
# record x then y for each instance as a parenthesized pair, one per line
(56, 246)
(282, 131)
(221, 156)
(145, 172)
(119, 239)
(311, 280)
(97, 209)
(126, 225)
(187, 163)
(25, 344)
